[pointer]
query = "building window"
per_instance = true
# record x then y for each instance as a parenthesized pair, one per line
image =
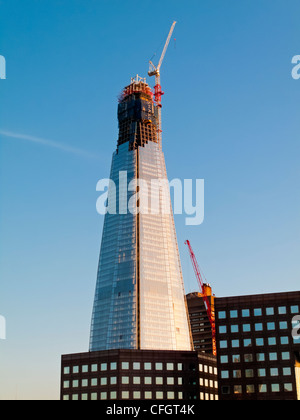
(249, 373)
(245, 313)
(270, 311)
(148, 366)
(225, 374)
(233, 314)
(148, 395)
(84, 382)
(282, 310)
(103, 381)
(136, 380)
(94, 381)
(271, 326)
(171, 395)
(158, 366)
(66, 370)
(260, 342)
(103, 395)
(180, 366)
(284, 340)
(113, 395)
(223, 344)
(261, 373)
(237, 389)
(75, 397)
(113, 380)
(247, 342)
(273, 356)
(225, 390)
(283, 325)
(224, 359)
(84, 369)
(222, 315)
(94, 396)
(274, 372)
(148, 380)
(84, 397)
(285, 355)
(237, 374)
(170, 366)
(235, 344)
(257, 312)
(113, 366)
(250, 389)
(234, 328)
(136, 366)
(125, 365)
(248, 358)
(125, 380)
(170, 381)
(259, 327)
(272, 341)
(103, 367)
(287, 371)
(246, 328)
(288, 387)
(75, 369)
(295, 309)
(75, 383)
(94, 368)
(66, 384)
(159, 395)
(275, 387)
(262, 388)
(223, 329)
(125, 395)
(136, 395)
(260, 357)
(159, 380)
(236, 358)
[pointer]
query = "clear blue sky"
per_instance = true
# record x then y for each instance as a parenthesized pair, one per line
(230, 116)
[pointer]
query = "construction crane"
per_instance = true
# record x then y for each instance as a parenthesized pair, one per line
(155, 71)
(210, 312)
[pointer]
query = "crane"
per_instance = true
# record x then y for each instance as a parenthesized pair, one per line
(155, 71)
(207, 304)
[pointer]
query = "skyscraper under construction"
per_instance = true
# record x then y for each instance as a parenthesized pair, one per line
(139, 299)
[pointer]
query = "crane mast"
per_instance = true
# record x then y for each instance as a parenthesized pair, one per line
(155, 71)
(207, 304)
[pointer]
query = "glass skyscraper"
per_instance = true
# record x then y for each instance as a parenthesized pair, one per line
(139, 299)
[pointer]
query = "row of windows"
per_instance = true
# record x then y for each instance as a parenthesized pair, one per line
(261, 357)
(259, 326)
(125, 380)
(249, 342)
(259, 373)
(103, 367)
(249, 358)
(125, 395)
(246, 313)
(261, 388)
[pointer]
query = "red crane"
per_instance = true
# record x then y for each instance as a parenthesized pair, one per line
(207, 303)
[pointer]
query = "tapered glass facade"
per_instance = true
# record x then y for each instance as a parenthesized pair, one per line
(139, 299)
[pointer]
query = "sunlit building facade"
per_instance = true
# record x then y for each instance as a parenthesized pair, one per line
(139, 299)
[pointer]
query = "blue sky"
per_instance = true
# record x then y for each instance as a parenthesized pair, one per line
(230, 116)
